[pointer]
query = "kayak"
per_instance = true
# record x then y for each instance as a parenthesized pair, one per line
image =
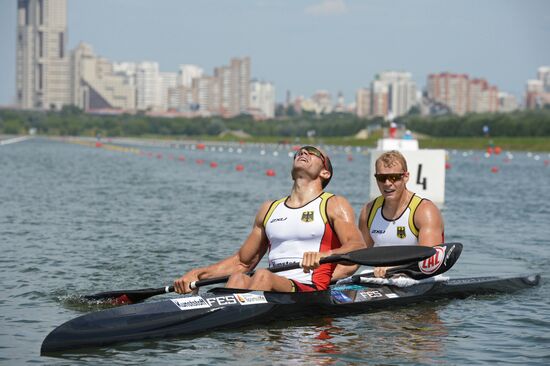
(223, 308)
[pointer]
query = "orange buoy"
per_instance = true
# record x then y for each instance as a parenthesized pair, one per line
(201, 146)
(498, 150)
(546, 162)
(296, 147)
(270, 172)
(199, 161)
(181, 158)
(213, 164)
(489, 150)
(239, 167)
(447, 165)
(350, 157)
(495, 169)
(98, 144)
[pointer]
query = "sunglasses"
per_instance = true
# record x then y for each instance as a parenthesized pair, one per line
(392, 177)
(312, 150)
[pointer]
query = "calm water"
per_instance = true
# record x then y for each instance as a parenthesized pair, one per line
(77, 220)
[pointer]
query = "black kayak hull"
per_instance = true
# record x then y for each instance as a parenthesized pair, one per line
(225, 308)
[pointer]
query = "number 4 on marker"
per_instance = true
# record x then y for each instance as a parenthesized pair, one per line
(419, 180)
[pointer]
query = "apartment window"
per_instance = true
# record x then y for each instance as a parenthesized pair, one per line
(40, 44)
(61, 45)
(40, 75)
(41, 12)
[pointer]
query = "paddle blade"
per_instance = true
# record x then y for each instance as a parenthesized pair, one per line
(122, 297)
(384, 256)
(446, 256)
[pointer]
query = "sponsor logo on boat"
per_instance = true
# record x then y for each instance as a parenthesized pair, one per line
(340, 297)
(278, 219)
(370, 294)
(378, 231)
(188, 303)
(401, 234)
(432, 264)
(307, 216)
(222, 300)
(249, 299)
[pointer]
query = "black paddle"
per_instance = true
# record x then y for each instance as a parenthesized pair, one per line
(379, 256)
(446, 256)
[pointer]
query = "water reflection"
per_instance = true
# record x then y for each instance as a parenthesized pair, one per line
(411, 335)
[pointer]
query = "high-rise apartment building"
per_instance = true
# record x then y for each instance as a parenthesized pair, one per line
(401, 91)
(234, 83)
(148, 86)
(380, 99)
(451, 90)
(262, 99)
(543, 74)
(187, 73)
(96, 83)
(537, 93)
(507, 102)
(482, 97)
(168, 81)
(363, 103)
(206, 95)
(42, 76)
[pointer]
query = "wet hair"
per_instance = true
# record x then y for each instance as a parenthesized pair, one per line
(389, 158)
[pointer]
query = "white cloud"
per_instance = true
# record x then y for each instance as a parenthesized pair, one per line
(328, 7)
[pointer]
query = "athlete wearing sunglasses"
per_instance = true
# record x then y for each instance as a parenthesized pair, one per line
(313, 151)
(398, 216)
(306, 226)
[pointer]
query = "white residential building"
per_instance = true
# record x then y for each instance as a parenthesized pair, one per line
(187, 73)
(96, 85)
(401, 91)
(507, 102)
(168, 81)
(148, 86)
(262, 99)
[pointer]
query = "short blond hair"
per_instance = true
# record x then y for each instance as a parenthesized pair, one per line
(389, 158)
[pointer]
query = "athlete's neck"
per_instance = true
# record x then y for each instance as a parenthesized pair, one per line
(394, 208)
(304, 191)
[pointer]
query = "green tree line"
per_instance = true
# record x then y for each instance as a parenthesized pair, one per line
(71, 121)
(528, 123)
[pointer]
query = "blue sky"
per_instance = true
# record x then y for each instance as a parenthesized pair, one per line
(303, 46)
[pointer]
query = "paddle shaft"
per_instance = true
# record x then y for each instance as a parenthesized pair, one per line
(387, 256)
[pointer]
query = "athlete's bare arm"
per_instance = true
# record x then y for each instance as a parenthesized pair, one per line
(363, 224)
(429, 222)
(341, 215)
(244, 260)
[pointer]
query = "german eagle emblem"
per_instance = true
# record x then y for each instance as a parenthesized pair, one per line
(401, 234)
(307, 216)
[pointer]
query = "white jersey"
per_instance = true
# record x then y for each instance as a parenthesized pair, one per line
(293, 231)
(401, 231)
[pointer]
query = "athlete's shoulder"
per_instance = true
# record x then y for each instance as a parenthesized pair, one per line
(267, 208)
(335, 200)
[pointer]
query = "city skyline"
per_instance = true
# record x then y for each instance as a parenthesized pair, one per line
(299, 45)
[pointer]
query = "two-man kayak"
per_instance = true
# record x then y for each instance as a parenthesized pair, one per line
(228, 308)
